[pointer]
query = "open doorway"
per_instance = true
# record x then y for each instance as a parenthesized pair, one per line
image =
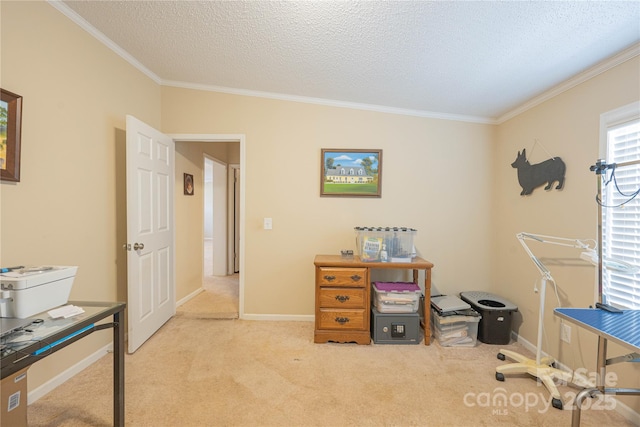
(211, 159)
(220, 255)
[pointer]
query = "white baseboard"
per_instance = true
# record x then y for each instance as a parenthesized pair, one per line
(280, 317)
(621, 408)
(59, 379)
(190, 296)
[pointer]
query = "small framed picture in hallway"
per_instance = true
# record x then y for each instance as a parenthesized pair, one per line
(188, 184)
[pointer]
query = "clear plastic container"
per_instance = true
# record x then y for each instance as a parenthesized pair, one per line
(385, 244)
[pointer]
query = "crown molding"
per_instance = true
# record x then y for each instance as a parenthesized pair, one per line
(328, 102)
(82, 23)
(72, 15)
(627, 54)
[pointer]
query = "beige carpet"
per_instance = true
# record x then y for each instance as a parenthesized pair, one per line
(202, 372)
(219, 300)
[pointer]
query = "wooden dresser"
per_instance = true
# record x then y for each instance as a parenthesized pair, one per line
(343, 297)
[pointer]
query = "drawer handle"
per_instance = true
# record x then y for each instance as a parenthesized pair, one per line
(342, 320)
(330, 278)
(355, 277)
(342, 298)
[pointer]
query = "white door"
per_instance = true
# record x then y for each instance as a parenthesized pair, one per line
(150, 231)
(219, 218)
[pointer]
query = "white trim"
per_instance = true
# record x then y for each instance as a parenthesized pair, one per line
(243, 158)
(67, 374)
(590, 73)
(612, 118)
(330, 102)
(609, 121)
(231, 211)
(603, 66)
(189, 297)
(82, 23)
(206, 137)
(281, 317)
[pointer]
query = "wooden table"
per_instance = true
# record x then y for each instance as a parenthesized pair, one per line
(343, 297)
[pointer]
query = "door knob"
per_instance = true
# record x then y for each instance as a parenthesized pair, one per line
(138, 246)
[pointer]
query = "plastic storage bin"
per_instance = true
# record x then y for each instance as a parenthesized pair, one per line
(395, 328)
(390, 244)
(396, 297)
(456, 330)
(33, 290)
(497, 316)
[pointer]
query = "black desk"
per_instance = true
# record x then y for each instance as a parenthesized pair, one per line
(621, 328)
(25, 348)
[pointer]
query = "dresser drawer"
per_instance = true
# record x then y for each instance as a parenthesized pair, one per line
(347, 319)
(342, 297)
(352, 277)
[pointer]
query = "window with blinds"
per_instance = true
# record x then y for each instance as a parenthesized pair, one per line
(621, 213)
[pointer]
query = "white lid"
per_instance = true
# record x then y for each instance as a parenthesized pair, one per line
(488, 301)
(34, 276)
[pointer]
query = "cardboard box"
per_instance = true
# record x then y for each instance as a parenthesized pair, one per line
(13, 391)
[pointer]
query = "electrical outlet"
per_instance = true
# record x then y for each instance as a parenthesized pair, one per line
(565, 333)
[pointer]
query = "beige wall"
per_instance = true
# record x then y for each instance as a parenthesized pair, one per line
(450, 180)
(433, 170)
(67, 208)
(568, 127)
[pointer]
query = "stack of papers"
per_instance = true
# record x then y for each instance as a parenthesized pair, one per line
(65, 312)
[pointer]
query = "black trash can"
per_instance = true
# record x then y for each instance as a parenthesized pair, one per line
(497, 314)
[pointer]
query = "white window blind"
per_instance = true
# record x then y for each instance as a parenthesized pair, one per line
(621, 214)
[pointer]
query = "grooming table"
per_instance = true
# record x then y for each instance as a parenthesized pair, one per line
(621, 328)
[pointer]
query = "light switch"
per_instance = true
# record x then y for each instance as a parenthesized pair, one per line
(268, 223)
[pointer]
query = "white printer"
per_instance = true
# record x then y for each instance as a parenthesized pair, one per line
(32, 290)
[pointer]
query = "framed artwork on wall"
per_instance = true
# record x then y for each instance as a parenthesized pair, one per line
(188, 184)
(10, 135)
(351, 173)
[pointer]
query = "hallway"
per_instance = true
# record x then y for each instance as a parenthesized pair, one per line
(219, 300)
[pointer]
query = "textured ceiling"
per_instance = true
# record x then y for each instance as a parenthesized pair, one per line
(467, 60)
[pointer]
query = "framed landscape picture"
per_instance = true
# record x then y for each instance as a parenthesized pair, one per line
(351, 173)
(10, 127)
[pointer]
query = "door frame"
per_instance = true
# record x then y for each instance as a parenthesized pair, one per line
(234, 218)
(186, 137)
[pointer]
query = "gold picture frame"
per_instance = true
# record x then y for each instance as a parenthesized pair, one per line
(350, 173)
(10, 135)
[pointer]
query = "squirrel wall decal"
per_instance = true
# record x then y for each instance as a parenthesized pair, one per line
(531, 176)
